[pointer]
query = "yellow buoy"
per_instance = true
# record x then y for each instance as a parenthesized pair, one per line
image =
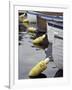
(39, 39)
(32, 29)
(26, 25)
(21, 17)
(40, 67)
(26, 22)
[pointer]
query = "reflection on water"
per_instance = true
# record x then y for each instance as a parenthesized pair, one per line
(39, 76)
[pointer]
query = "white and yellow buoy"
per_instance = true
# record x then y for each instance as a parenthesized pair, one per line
(32, 29)
(21, 17)
(39, 39)
(26, 22)
(38, 68)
